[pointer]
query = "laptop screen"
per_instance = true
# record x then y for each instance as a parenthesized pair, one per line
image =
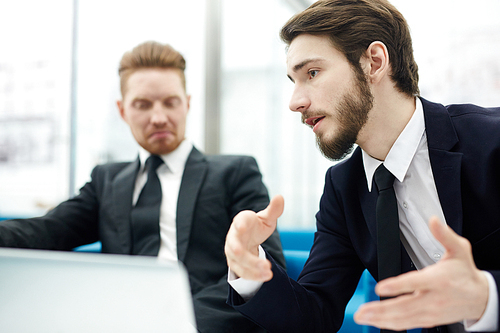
(49, 291)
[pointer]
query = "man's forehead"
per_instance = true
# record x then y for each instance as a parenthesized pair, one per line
(307, 46)
(154, 92)
(155, 73)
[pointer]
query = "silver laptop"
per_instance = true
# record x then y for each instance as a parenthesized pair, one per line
(59, 292)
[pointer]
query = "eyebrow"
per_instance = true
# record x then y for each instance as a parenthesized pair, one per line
(149, 98)
(301, 65)
(140, 99)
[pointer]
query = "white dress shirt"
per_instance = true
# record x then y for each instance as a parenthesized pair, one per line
(416, 194)
(170, 175)
(417, 197)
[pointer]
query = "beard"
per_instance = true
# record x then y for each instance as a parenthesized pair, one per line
(352, 115)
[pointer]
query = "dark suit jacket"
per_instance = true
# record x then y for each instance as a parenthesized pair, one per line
(213, 190)
(464, 151)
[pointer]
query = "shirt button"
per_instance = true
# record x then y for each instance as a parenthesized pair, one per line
(405, 205)
(437, 256)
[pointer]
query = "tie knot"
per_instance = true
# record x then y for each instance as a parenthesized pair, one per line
(153, 162)
(383, 178)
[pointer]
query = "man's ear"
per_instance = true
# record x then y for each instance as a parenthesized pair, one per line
(377, 61)
(119, 104)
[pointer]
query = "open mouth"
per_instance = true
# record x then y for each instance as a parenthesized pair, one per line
(314, 120)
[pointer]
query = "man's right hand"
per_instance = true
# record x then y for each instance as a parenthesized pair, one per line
(247, 232)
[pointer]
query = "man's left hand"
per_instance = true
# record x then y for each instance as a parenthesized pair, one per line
(447, 292)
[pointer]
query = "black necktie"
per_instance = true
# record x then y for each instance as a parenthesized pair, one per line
(388, 248)
(145, 215)
(388, 243)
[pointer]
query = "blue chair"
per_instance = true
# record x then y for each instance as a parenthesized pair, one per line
(2, 218)
(296, 246)
(91, 248)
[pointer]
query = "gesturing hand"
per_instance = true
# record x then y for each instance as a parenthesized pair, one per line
(247, 232)
(449, 291)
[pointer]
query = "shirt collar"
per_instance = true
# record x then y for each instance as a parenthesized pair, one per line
(175, 160)
(399, 158)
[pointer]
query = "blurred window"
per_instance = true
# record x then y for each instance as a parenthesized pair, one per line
(456, 47)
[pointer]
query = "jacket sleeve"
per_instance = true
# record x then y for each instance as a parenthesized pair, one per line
(72, 223)
(316, 301)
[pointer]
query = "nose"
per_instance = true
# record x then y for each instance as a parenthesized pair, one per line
(159, 115)
(299, 101)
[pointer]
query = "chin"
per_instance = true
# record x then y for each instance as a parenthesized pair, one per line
(160, 151)
(163, 149)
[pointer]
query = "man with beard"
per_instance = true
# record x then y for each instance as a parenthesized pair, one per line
(356, 82)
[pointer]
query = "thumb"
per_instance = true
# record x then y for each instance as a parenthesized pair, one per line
(273, 210)
(446, 236)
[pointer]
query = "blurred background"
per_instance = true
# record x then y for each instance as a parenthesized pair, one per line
(59, 86)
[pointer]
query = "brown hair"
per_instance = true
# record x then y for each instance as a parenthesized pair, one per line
(352, 25)
(150, 55)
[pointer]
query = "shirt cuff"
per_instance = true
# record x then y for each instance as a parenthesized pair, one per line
(489, 320)
(245, 288)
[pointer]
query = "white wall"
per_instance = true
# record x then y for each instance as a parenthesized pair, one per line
(456, 44)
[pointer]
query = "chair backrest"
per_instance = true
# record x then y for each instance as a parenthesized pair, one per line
(300, 240)
(296, 246)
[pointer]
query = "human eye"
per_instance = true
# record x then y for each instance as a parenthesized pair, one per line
(172, 102)
(141, 104)
(312, 73)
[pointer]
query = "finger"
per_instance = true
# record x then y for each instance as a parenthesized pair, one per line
(255, 269)
(239, 236)
(403, 284)
(273, 210)
(243, 260)
(453, 243)
(247, 231)
(247, 265)
(373, 314)
(396, 313)
(424, 279)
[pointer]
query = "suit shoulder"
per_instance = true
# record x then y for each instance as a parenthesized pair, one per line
(114, 166)
(474, 122)
(230, 159)
(110, 169)
(471, 110)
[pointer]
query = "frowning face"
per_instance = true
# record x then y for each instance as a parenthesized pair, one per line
(155, 106)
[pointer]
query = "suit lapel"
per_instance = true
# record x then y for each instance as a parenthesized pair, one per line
(445, 164)
(192, 180)
(122, 191)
